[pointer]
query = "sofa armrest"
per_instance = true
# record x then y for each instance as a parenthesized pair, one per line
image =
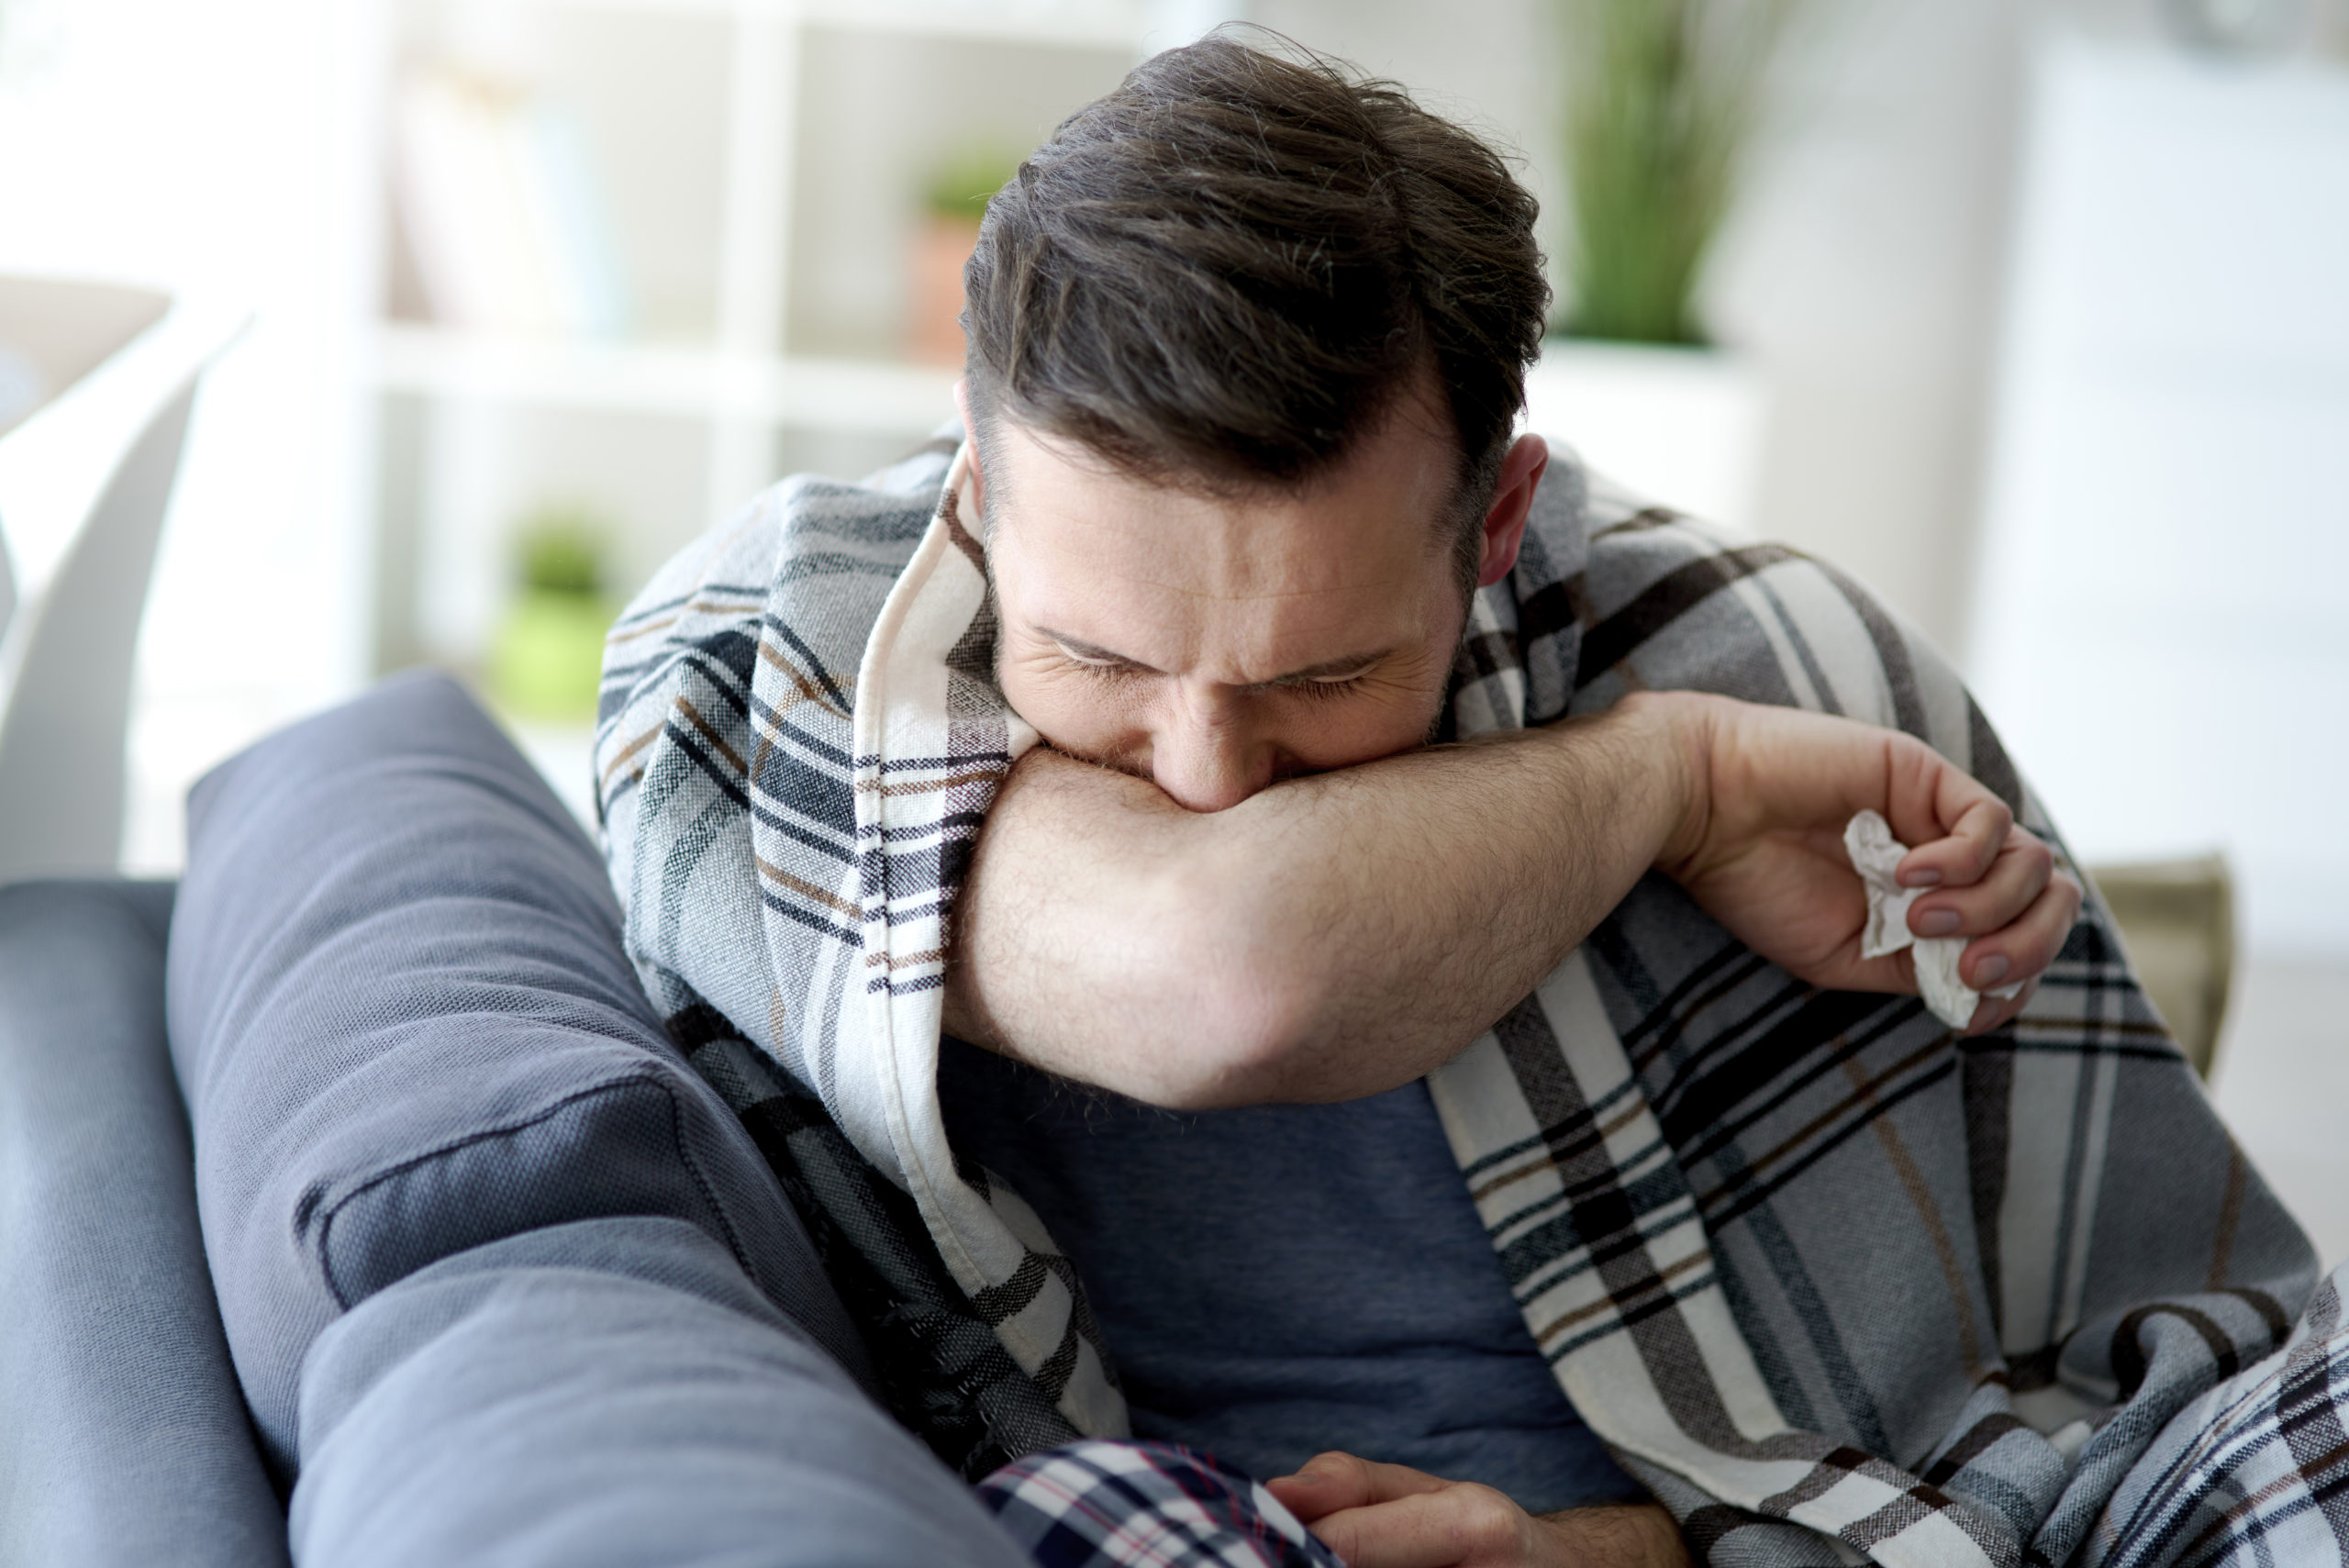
(123, 1439)
(405, 1029)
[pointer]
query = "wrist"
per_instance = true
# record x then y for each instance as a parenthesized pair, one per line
(1620, 1535)
(1675, 733)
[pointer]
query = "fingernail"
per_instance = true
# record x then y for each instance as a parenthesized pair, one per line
(1936, 923)
(1990, 971)
(1923, 876)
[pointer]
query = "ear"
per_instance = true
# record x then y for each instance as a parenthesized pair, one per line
(970, 443)
(1521, 471)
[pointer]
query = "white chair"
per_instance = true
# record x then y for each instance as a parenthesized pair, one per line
(97, 382)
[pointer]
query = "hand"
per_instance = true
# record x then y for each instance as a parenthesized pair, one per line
(1389, 1516)
(1762, 851)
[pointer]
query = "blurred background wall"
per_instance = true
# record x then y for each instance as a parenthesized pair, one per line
(2028, 312)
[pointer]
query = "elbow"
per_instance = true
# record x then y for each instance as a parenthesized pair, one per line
(1235, 1012)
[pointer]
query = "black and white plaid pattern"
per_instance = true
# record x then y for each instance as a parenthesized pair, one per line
(1836, 1284)
(786, 841)
(2256, 1471)
(1128, 1505)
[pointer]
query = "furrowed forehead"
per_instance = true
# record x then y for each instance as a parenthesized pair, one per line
(1415, 413)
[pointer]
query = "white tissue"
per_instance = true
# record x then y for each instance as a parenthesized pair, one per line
(1876, 855)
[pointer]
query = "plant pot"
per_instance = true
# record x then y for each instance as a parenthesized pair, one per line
(548, 659)
(941, 245)
(1682, 426)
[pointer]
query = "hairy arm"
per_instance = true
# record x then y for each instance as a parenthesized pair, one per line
(1330, 937)
(1337, 935)
(1638, 1535)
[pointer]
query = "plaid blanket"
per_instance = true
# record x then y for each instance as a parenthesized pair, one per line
(1836, 1284)
(1126, 1505)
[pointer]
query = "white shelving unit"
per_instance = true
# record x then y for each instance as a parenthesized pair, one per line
(736, 139)
(851, 396)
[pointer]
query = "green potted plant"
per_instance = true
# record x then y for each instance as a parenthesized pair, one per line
(547, 658)
(1663, 97)
(953, 204)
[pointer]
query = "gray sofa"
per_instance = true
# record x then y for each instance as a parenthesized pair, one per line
(353, 1205)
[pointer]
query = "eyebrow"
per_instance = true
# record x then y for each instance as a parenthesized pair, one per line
(1345, 666)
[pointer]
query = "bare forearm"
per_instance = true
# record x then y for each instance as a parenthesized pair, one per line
(1331, 937)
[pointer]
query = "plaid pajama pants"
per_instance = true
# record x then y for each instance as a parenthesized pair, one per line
(1139, 1505)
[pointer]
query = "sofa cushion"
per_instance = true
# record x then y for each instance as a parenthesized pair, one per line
(122, 1439)
(608, 1392)
(405, 1029)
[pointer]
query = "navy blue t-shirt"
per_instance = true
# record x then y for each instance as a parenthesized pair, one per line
(1280, 1280)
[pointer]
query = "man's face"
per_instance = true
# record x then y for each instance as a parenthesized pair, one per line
(1215, 645)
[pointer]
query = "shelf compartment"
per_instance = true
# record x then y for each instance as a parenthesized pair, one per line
(872, 396)
(1104, 24)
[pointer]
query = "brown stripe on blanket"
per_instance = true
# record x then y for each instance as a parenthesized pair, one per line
(891, 791)
(709, 733)
(619, 760)
(792, 673)
(2222, 1245)
(949, 512)
(1539, 1160)
(873, 959)
(1838, 1112)
(806, 890)
(1919, 1193)
(1646, 1286)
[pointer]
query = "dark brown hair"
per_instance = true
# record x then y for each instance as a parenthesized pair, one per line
(1226, 271)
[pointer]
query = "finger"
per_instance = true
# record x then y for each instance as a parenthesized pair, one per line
(2013, 883)
(1962, 855)
(1460, 1525)
(1995, 1012)
(1328, 1482)
(2024, 950)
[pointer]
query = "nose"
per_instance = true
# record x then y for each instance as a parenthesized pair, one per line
(1205, 758)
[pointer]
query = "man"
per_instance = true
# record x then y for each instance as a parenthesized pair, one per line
(1238, 528)
(1219, 567)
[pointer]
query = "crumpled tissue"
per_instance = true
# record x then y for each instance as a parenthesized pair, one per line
(1876, 855)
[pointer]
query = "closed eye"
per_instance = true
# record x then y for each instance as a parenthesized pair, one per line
(1106, 663)
(1333, 679)
(1326, 685)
